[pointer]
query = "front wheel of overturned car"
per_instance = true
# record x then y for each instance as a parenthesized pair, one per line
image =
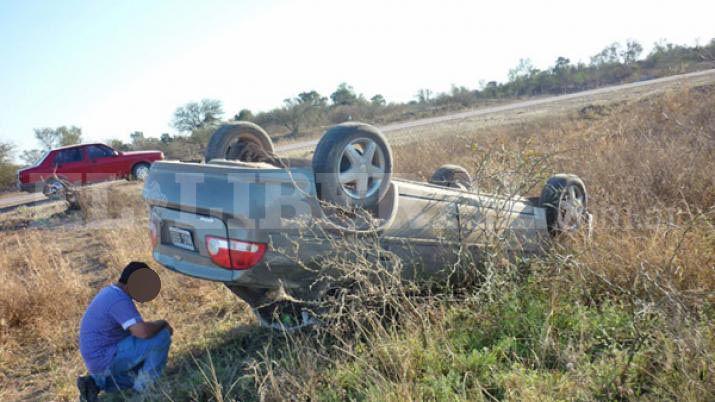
(565, 200)
(282, 315)
(353, 165)
(453, 176)
(243, 141)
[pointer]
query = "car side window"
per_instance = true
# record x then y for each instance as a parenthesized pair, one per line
(68, 155)
(99, 151)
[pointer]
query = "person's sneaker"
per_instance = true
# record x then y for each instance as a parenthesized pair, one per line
(88, 390)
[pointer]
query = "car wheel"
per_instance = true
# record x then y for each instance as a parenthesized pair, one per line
(453, 176)
(353, 165)
(55, 189)
(285, 316)
(565, 199)
(140, 171)
(280, 315)
(242, 141)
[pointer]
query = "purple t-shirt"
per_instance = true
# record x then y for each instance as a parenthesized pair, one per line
(104, 324)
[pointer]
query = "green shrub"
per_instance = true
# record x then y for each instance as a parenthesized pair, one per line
(8, 176)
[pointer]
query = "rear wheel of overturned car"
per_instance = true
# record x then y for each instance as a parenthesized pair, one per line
(565, 200)
(353, 165)
(283, 315)
(453, 176)
(243, 141)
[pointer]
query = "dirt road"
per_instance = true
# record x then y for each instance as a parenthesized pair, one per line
(14, 200)
(391, 130)
(405, 131)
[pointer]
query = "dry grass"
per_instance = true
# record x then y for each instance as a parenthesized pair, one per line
(648, 169)
(626, 314)
(48, 277)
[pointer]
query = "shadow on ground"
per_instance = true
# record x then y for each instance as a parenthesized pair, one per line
(220, 369)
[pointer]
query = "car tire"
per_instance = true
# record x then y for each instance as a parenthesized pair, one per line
(279, 315)
(565, 200)
(453, 176)
(54, 189)
(140, 171)
(344, 175)
(243, 140)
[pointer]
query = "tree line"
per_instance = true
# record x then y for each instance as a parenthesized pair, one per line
(309, 111)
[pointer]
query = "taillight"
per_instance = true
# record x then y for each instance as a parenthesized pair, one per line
(153, 233)
(234, 254)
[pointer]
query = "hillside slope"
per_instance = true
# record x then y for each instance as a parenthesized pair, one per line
(625, 314)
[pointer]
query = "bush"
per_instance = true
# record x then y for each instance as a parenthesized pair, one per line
(8, 176)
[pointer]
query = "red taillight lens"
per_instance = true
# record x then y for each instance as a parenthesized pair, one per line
(234, 254)
(153, 233)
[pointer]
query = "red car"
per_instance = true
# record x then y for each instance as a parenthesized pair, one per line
(84, 164)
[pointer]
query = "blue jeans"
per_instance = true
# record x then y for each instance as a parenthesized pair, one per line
(136, 364)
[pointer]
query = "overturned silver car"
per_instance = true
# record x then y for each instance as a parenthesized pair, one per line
(241, 217)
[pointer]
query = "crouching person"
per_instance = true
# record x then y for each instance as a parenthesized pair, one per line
(120, 349)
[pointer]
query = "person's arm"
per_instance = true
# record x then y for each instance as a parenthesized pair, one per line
(145, 330)
(125, 313)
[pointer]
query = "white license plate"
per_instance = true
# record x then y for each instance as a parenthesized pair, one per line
(181, 238)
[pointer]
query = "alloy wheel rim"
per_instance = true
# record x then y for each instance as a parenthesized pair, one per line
(572, 207)
(361, 168)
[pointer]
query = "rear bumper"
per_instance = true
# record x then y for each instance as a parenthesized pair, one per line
(273, 272)
(200, 271)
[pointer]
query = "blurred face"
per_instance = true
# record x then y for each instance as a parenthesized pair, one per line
(143, 285)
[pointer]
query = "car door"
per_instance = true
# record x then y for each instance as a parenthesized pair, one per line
(69, 164)
(510, 223)
(103, 164)
(425, 231)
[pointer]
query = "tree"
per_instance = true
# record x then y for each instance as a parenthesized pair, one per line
(632, 52)
(312, 99)
(202, 135)
(47, 137)
(378, 100)
(137, 138)
(193, 115)
(303, 110)
(524, 69)
(344, 95)
(166, 138)
(244, 115)
(57, 137)
(30, 156)
(70, 135)
(461, 95)
(609, 55)
(562, 64)
(490, 90)
(119, 145)
(7, 168)
(424, 95)
(7, 150)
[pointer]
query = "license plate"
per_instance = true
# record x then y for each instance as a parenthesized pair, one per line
(181, 238)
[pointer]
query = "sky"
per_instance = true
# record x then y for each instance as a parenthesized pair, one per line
(112, 67)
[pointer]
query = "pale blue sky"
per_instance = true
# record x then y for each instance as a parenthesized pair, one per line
(114, 67)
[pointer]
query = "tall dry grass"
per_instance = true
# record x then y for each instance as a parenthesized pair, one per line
(648, 169)
(49, 275)
(623, 314)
